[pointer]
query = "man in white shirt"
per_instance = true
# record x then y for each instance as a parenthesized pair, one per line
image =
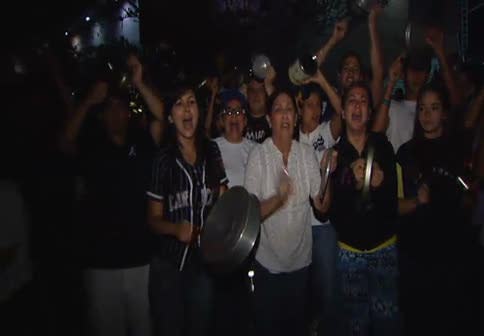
(232, 144)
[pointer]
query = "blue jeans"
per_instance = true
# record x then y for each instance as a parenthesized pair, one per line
(279, 302)
(181, 302)
(370, 292)
(326, 292)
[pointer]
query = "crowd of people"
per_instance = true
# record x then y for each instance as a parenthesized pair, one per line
(111, 205)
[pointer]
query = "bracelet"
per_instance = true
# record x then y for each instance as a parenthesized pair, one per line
(386, 102)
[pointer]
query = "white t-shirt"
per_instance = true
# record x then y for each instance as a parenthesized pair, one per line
(320, 139)
(13, 234)
(285, 237)
(402, 120)
(234, 157)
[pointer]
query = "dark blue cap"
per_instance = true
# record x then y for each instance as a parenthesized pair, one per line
(231, 94)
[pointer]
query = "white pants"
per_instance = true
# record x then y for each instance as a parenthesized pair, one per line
(117, 301)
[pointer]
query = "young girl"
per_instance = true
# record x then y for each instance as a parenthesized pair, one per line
(365, 228)
(432, 234)
(188, 177)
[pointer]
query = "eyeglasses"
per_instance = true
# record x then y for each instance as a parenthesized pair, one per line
(233, 112)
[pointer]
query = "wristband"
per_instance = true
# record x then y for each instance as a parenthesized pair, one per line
(386, 102)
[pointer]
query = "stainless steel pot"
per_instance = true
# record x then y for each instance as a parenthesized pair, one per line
(415, 34)
(231, 230)
(260, 65)
(302, 69)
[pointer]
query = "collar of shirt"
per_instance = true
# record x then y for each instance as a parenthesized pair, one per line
(278, 154)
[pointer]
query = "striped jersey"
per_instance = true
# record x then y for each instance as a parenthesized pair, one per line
(187, 191)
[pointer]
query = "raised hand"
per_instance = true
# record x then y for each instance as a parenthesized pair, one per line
(339, 31)
(375, 11)
(213, 85)
(396, 69)
(435, 38)
(317, 78)
(136, 70)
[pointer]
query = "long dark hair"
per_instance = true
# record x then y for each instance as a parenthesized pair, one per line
(202, 143)
(441, 92)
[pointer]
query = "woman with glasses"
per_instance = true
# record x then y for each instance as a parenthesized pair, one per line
(233, 146)
(231, 292)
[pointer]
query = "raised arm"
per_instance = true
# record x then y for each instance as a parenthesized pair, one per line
(151, 98)
(270, 80)
(64, 91)
(376, 55)
(213, 85)
(69, 135)
(334, 100)
(475, 110)
(382, 118)
(339, 32)
(436, 40)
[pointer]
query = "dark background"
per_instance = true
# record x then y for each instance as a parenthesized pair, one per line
(282, 28)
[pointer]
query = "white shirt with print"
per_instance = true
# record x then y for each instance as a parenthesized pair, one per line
(320, 139)
(402, 120)
(234, 157)
(285, 237)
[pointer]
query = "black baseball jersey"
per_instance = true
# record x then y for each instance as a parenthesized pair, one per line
(188, 192)
(113, 210)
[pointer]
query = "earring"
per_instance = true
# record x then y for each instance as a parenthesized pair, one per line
(170, 119)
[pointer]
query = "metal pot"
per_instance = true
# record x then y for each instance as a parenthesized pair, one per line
(302, 69)
(415, 36)
(231, 230)
(260, 65)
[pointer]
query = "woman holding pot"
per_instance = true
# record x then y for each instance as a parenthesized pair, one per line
(285, 176)
(363, 212)
(435, 243)
(187, 179)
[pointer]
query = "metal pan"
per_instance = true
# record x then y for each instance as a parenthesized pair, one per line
(231, 230)
(368, 170)
(326, 172)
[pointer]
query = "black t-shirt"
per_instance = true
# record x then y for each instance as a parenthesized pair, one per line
(432, 227)
(113, 209)
(258, 128)
(364, 226)
(188, 192)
